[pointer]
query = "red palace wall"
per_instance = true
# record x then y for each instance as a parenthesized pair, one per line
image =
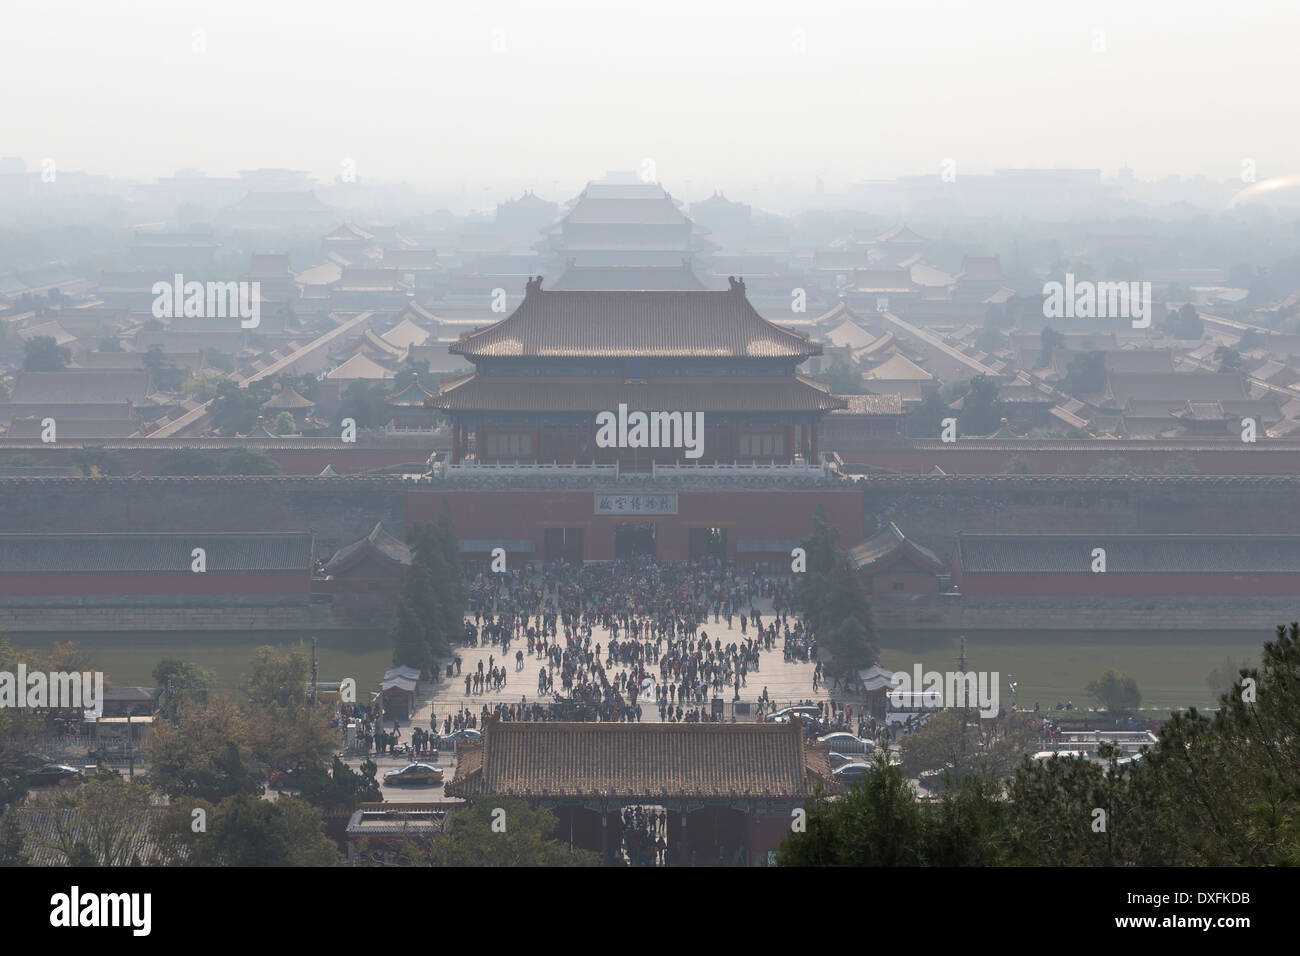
(1114, 584)
(188, 583)
(747, 515)
(970, 457)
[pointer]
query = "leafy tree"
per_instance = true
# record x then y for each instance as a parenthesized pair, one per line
(235, 410)
(877, 823)
(279, 676)
(284, 424)
(286, 737)
(246, 831)
(469, 838)
(844, 379)
(342, 788)
(1213, 791)
(43, 354)
(1052, 340)
(203, 387)
(990, 339)
(205, 754)
(365, 404)
(432, 608)
(831, 596)
(1185, 323)
(1115, 691)
(12, 849)
(1229, 359)
(1226, 673)
(1223, 790)
(182, 682)
(163, 371)
(219, 360)
(109, 822)
(1052, 813)
(110, 345)
(966, 744)
(926, 420)
(981, 413)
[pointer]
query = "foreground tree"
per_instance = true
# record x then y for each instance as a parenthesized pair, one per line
(108, 823)
(43, 354)
(244, 830)
(519, 836)
(205, 754)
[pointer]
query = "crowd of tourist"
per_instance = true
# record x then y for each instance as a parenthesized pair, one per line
(657, 651)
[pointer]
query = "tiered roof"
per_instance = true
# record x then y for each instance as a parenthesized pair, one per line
(631, 760)
(635, 324)
(472, 393)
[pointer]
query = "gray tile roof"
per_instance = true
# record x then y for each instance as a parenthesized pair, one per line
(636, 324)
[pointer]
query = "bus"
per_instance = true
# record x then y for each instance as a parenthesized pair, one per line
(900, 705)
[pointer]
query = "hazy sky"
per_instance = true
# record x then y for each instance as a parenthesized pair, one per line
(714, 94)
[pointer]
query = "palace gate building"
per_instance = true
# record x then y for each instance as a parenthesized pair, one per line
(729, 790)
(731, 464)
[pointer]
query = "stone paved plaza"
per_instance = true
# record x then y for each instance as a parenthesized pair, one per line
(786, 682)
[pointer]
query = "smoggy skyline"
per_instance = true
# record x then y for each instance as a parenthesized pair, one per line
(709, 96)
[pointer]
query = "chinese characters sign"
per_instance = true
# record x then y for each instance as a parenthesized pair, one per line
(634, 504)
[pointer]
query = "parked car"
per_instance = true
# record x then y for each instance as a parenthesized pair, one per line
(847, 743)
(809, 714)
(464, 736)
(54, 774)
(850, 772)
(414, 773)
(838, 760)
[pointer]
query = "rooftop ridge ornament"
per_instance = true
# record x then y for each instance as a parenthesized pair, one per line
(534, 285)
(737, 285)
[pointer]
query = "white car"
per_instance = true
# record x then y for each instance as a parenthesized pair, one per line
(784, 715)
(847, 743)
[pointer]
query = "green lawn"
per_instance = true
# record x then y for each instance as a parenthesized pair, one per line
(1170, 667)
(129, 658)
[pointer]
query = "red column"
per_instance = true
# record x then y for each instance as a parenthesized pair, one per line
(455, 444)
(685, 852)
(815, 459)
